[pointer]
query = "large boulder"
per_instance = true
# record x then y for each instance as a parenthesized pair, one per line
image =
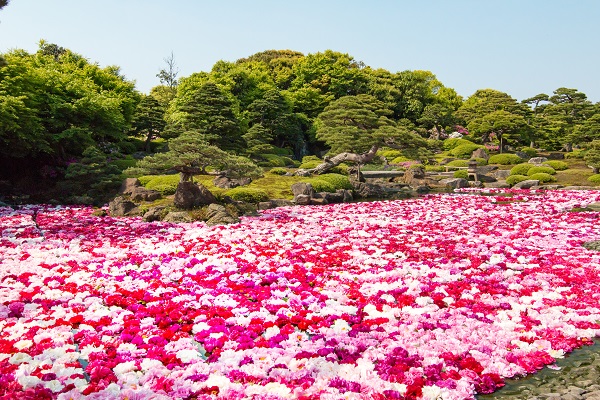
(522, 155)
(220, 215)
(330, 197)
(556, 156)
(274, 203)
(537, 160)
(369, 191)
(577, 188)
(593, 245)
(346, 194)
(142, 194)
(177, 216)
(480, 153)
(189, 195)
(225, 182)
(502, 174)
(303, 188)
(129, 185)
(414, 176)
(455, 183)
(528, 184)
(154, 214)
(121, 207)
(302, 199)
(498, 185)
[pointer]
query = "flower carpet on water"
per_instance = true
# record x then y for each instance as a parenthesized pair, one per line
(438, 297)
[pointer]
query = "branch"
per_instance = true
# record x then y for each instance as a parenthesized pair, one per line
(329, 163)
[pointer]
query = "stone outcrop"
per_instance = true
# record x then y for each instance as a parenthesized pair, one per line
(274, 203)
(537, 160)
(154, 214)
(220, 215)
(189, 195)
(129, 184)
(177, 216)
(455, 183)
(121, 207)
(142, 194)
(303, 188)
(225, 182)
(528, 184)
(480, 153)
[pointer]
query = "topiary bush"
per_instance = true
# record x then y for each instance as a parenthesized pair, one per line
(531, 152)
(273, 160)
(458, 163)
(337, 180)
(341, 169)
(434, 168)
(278, 171)
(309, 162)
(514, 179)
(452, 143)
(594, 178)
(521, 169)
(165, 184)
(461, 173)
(542, 177)
(389, 154)
(321, 185)
(399, 160)
(557, 165)
(480, 161)
(505, 159)
(464, 150)
(249, 195)
(575, 154)
(541, 170)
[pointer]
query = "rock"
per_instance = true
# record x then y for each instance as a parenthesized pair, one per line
(455, 183)
(537, 160)
(303, 188)
(486, 178)
(225, 182)
(526, 184)
(302, 199)
(220, 215)
(265, 205)
(556, 156)
(594, 206)
(119, 207)
(486, 169)
(330, 197)
(502, 174)
(302, 172)
(154, 214)
(446, 160)
(128, 185)
(422, 189)
(177, 216)
(318, 202)
(412, 176)
(369, 190)
(593, 245)
(546, 187)
(143, 194)
(189, 195)
(480, 153)
(346, 194)
(498, 185)
(577, 188)
(522, 155)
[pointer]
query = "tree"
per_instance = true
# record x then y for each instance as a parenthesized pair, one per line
(355, 127)
(535, 120)
(190, 154)
(592, 156)
(208, 111)
(568, 109)
(437, 116)
(501, 124)
(148, 120)
(3, 3)
(168, 75)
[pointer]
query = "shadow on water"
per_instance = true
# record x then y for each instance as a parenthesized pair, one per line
(580, 367)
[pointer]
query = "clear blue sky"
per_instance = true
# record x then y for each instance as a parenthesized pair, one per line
(521, 47)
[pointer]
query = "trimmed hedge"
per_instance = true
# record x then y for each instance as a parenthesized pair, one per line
(542, 177)
(594, 178)
(521, 169)
(399, 160)
(278, 171)
(338, 181)
(165, 184)
(514, 179)
(249, 195)
(531, 152)
(505, 159)
(464, 150)
(541, 170)
(461, 173)
(452, 143)
(557, 165)
(458, 163)
(434, 168)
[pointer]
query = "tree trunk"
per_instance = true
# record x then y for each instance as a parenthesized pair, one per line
(329, 163)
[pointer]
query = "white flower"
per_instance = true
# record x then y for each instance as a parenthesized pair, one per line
(340, 326)
(23, 344)
(271, 331)
(187, 355)
(122, 368)
(54, 385)
(19, 358)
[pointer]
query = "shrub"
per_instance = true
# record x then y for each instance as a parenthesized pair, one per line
(288, 161)
(575, 154)
(531, 152)
(481, 161)
(434, 168)
(541, 170)
(514, 179)
(594, 178)
(505, 159)
(278, 171)
(415, 166)
(557, 165)
(124, 163)
(464, 150)
(274, 160)
(542, 177)
(521, 169)
(399, 160)
(249, 195)
(341, 169)
(452, 143)
(309, 162)
(461, 173)
(165, 184)
(389, 154)
(458, 163)
(321, 185)
(337, 180)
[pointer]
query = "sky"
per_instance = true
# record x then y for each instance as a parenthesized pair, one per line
(520, 47)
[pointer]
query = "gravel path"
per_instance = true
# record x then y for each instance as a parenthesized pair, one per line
(577, 379)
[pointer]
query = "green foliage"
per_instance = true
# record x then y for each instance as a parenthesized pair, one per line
(273, 160)
(434, 168)
(592, 156)
(542, 177)
(594, 178)
(505, 159)
(461, 173)
(451, 143)
(531, 152)
(337, 180)
(464, 150)
(514, 179)
(247, 194)
(342, 169)
(578, 153)
(165, 184)
(557, 165)
(309, 162)
(321, 185)
(399, 160)
(124, 163)
(541, 169)
(278, 171)
(390, 154)
(521, 169)
(481, 161)
(458, 163)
